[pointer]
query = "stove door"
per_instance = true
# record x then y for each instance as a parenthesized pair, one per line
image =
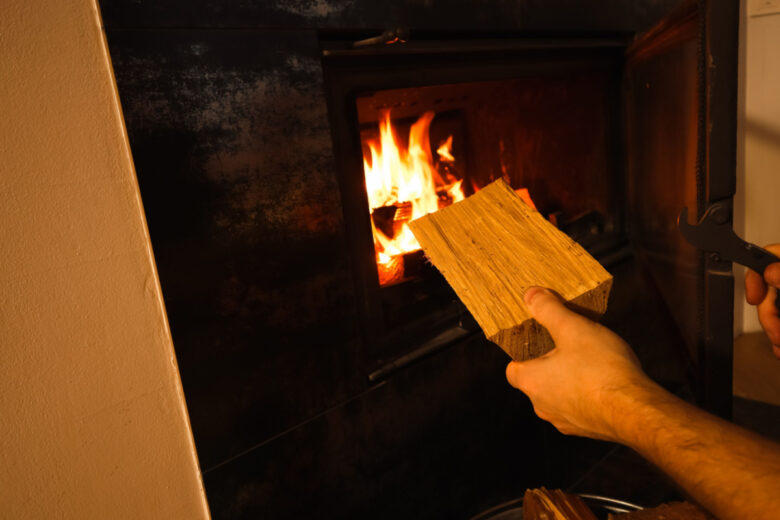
(680, 100)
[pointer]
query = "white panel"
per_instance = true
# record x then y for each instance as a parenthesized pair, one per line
(757, 212)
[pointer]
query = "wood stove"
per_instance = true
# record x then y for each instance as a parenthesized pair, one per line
(313, 388)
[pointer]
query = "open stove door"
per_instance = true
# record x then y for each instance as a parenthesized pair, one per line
(681, 106)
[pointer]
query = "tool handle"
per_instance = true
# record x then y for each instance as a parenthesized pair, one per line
(757, 258)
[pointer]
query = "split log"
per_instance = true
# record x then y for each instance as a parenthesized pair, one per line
(491, 247)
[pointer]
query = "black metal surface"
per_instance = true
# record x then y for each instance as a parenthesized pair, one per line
(551, 16)
(441, 341)
(444, 438)
(721, 43)
(662, 94)
(716, 367)
(467, 47)
(721, 49)
(231, 145)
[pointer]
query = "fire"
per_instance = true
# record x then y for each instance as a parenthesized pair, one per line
(402, 185)
(408, 183)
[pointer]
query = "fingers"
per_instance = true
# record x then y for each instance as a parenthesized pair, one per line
(549, 310)
(758, 292)
(516, 374)
(772, 275)
(513, 374)
(755, 288)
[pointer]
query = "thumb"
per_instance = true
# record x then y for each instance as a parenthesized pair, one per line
(529, 376)
(548, 309)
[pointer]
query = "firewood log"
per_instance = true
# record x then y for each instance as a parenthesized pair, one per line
(491, 247)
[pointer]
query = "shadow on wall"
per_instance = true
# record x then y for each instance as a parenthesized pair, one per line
(763, 131)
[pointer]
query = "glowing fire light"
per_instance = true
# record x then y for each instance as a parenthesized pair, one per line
(445, 151)
(408, 183)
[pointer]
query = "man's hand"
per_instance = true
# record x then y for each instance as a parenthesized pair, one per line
(762, 292)
(575, 385)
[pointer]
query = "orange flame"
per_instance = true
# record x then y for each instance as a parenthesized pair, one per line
(445, 151)
(408, 181)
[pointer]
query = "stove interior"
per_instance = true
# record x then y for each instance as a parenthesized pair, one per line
(427, 147)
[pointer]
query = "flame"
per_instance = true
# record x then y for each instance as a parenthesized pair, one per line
(445, 151)
(407, 180)
(526, 196)
(404, 184)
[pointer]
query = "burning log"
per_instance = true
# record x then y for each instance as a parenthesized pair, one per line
(491, 247)
(391, 219)
(391, 271)
(384, 220)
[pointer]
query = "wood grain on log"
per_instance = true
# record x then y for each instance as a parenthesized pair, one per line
(491, 247)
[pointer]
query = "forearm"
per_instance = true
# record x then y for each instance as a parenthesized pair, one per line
(732, 472)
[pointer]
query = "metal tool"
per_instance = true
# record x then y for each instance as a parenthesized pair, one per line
(713, 234)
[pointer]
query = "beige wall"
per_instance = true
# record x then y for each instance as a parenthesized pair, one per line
(757, 204)
(93, 422)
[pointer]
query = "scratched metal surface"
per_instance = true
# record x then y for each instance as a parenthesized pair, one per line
(230, 141)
